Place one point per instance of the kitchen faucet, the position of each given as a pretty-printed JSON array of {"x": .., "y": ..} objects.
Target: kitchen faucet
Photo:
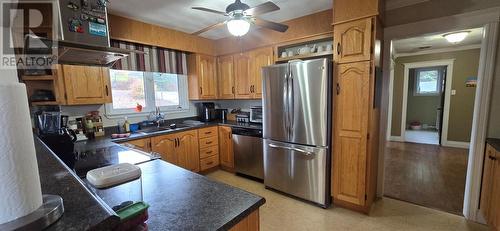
[{"x": 157, "y": 116}]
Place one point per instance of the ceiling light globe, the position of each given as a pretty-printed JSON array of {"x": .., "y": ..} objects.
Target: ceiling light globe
[
  {"x": 238, "y": 27},
  {"x": 456, "y": 37}
]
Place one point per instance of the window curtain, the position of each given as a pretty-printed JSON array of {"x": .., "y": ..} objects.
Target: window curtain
[{"x": 154, "y": 59}]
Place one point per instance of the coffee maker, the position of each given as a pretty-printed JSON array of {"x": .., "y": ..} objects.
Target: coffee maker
[
  {"x": 53, "y": 131},
  {"x": 206, "y": 111}
]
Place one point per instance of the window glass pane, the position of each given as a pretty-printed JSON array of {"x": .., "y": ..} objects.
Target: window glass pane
[
  {"x": 127, "y": 89},
  {"x": 428, "y": 81},
  {"x": 166, "y": 89}
]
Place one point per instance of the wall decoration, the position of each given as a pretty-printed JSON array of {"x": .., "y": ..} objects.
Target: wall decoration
[{"x": 471, "y": 82}]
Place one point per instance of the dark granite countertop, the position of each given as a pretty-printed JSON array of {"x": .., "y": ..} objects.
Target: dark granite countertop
[
  {"x": 183, "y": 200},
  {"x": 106, "y": 141},
  {"x": 494, "y": 142},
  {"x": 179, "y": 199},
  {"x": 82, "y": 210}
]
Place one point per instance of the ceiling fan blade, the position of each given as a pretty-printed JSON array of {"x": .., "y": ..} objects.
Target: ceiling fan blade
[
  {"x": 262, "y": 9},
  {"x": 209, "y": 28},
  {"x": 209, "y": 10},
  {"x": 271, "y": 25}
]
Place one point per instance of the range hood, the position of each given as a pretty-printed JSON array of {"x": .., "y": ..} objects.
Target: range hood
[{"x": 82, "y": 35}]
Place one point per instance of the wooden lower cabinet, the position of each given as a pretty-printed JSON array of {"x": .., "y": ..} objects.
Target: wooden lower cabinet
[
  {"x": 354, "y": 162},
  {"x": 490, "y": 189},
  {"x": 209, "y": 148},
  {"x": 226, "y": 147},
  {"x": 181, "y": 149},
  {"x": 141, "y": 144},
  {"x": 249, "y": 223}
]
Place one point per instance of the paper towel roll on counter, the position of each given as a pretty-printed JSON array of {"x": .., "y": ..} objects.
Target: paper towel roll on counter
[{"x": 20, "y": 191}]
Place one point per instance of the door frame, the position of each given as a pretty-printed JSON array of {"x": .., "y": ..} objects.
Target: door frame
[
  {"x": 489, "y": 20},
  {"x": 447, "y": 95}
]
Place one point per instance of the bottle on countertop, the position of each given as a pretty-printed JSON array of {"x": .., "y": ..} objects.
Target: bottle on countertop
[{"x": 126, "y": 125}]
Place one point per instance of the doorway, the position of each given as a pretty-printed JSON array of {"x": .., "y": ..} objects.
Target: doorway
[
  {"x": 430, "y": 120},
  {"x": 424, "y": 103}
]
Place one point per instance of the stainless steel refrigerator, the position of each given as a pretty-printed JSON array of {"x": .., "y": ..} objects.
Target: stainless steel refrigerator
[{"x": 297, "y": 129}]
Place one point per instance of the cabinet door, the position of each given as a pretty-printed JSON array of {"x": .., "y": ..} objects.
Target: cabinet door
[
  {"x": 352, "y": 41},
  {"x": 188, "y": 155},
  {"x": 86, "y": 84},
  {"x": 166, "y": 145},
  {"x": 141, "y": 144},
  {"x": 494, "y": 213},
  {"x": 226, "y": 147},
  {"x": 208, "y": 83},
  {"x": 225, "y": 77},
  {"x": 350, "y": 132},
  {"x": 260, "y": 58},
  {"x": 242, "y": 76},
  {"x": 487, "y": 183}
]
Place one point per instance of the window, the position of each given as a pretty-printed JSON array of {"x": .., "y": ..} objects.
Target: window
[
  {"x": 428, "y": 81},
  {"x": 149, "y": 89}
]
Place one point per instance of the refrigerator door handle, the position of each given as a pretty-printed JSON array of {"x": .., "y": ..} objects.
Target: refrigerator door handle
[
  {"x": 286, "y": 107},
  {"x": 291, "y": 101},
  {"x": 305, "y": 152}
]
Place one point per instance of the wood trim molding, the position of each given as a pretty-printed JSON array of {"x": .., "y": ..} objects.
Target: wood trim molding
[{"x": 131, "y": 30}]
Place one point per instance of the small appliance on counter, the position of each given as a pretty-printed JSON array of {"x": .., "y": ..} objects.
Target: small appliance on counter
[
  {"x": 206, "y": 111},
  {"x": 55, "y": 134},
  {"x": 256, "y": 114},
  {"x": 221, "y": 114},
  {"x": 243, "y": 117}
]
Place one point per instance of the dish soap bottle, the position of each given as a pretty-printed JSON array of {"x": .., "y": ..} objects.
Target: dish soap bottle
[{"x": 126, "y": 125}]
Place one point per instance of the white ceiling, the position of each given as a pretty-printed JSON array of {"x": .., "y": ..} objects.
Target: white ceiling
[
  {"x": 178, "y": 15},
  {"x": 436, "y": 41}
]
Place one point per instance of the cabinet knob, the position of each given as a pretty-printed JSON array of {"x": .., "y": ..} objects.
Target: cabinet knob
[
  {"x": 338, "y": 89},
  {"x": 339, "y": 49},
  {"x": 107, "y": 90},
  {"x": 492, "y": 158}
]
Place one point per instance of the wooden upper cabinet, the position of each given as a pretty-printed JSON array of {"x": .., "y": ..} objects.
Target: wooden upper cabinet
[
  {"x": 353, "y": 41},
  {"x": 226, "y": 147},
  {"x": 350, "y": 132},
  {"x": 242, "y": 76},
  {"x": 86, "y": 84},
  {"x": 225, "y": 77},
  {"x": 346, "y": 10},
  {"x": 202, "y": 77},
  {"x": 187, "y": 152},
  {"x": 260, "y": 58}
]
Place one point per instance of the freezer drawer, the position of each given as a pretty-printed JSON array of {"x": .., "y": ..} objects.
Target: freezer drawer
[{"x": 296, "y": 170}]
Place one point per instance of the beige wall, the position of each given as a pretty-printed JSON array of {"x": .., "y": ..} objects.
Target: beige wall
[
  {"x": 421, "y": 108},
  {"x": 461, "y": 105}
]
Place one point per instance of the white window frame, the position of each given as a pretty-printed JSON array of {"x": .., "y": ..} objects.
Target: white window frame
[
  {"x": 150, "y": 98},
  {"x": 416, "y": 82}
]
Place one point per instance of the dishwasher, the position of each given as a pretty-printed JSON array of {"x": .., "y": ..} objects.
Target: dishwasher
[{"x": 248, "y": 152}]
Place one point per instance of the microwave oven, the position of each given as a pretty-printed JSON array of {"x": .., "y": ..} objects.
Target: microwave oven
[{"x": 256, "y": 114}]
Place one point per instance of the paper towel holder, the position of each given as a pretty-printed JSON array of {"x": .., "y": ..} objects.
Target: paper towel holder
[{"x": 50, "y": 211}]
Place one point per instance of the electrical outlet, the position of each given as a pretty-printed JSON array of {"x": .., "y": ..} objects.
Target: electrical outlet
[{"x": 453, "y": 92}]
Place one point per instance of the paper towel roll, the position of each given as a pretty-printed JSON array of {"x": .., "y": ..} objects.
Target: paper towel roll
[{"x": 20, "y": 191}]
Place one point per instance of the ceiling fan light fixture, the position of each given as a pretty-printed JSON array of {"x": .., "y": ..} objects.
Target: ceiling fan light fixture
[
  {"x": 238, "y": 27},
  {"x": 456, "y": 37}
]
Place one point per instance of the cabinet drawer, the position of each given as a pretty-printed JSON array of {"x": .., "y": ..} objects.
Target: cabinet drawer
[
  {"x": 210, "y": 151},
  {"x": 210, "y": 141},
  {"x": 209, "y": 162},
  {"x": 207, "y": 132}
]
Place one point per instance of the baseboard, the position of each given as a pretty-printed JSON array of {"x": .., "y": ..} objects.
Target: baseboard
[
  {"x": 396, "y": 138},
  {"x": 455, "y": 144}
]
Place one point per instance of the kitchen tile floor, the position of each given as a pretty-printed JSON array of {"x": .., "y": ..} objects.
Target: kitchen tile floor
[
  {"x": 428, "y": 175},
  {"x": 284, "y": 213}
]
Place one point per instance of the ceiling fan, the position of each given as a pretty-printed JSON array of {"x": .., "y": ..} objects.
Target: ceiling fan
[{"x": 241, "y": 16}]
